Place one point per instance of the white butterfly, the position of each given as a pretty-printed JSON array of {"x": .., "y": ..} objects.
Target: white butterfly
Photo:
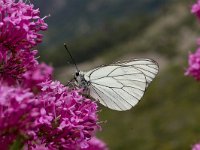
[{"x": 118, "y": 86}]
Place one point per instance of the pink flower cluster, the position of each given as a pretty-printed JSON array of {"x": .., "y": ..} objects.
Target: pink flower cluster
[
  {"x": 196, "y": 9},
  {"x": 196, "y": 147},
  {"x": 20, "y": 25},
  {"x": 18, "y": 107},
  {"x": 37, "y": 75},
  {"x": 194, "y": 58},
  {"x": 69, "y": 120},
  {"x": 96, "y": 144},
  {"x": 35, "y": 111},
  {"x": 57, "y": 117},
  {"x": 19, "y": 31},
  {"x": 194, "y": 65}
]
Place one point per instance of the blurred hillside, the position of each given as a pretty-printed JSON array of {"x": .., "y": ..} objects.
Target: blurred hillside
[
  {"x": 93, "y": 26},
  {"x": 76, "y": 18},
  {"x": 170, "y": 34},
  {"x": 114, "y": 28},
  {"x": 167, "y": 118}
]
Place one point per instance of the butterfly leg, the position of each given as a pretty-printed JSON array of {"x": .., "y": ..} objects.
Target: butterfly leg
[
  {"x": 71, "y": 84},
  {"x": 86, "y": 92}
]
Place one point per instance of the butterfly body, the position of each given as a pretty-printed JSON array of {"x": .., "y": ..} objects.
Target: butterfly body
[
  {"x": 118, "y": 86},
  {"x": 80, "y": 80}
]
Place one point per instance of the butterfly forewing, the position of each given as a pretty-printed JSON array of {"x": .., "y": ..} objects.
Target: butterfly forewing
[
  {"x": 100, "y": 72},
  {"x": 120, "y": 86},
  {"x": 148, "y": 67}
]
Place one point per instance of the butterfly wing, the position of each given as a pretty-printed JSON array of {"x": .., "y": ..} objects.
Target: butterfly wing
[
  {"x": 148, "y": 67},
  {"x": 120, "y": 86}
]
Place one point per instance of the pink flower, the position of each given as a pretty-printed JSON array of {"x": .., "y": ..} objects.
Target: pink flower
[
  {"x": 19, "y": 25},
  {"x": 38, "y": 147},
  {"x": 18, "y": 108},
  {"x": 69, "y": 120},
  {"x": 38, "y": 112},
  {"x": 196, "y": 9},
  {"x": 96, "y": 144},
  {"x": 55, "y": 117},
  {"x": 93, "y": 144},
  {"x": 13, "y": 66},
  {"x": 194, "y": 65},
  {"x": 41, "y": 73},
  {"x": 196, "y": 146}
]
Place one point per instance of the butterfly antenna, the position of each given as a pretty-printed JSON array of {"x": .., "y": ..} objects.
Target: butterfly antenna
[{"x": 71, "y": 56}]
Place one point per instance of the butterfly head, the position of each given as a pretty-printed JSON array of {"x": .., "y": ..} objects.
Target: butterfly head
[
  {"x": 77, "y": 76},
  {"x": 80, "y": 80}
]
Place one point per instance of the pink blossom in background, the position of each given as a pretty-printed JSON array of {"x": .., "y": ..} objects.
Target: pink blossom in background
[
  {"x": 196, "y": 146},
  {"x": 194, "y": 65},
  {"x": 196, "y": 9},
  {"x": 194, "y": 59}
]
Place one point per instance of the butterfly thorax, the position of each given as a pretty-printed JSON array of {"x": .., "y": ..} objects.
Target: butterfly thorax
[{"x": 80, "y": 80}]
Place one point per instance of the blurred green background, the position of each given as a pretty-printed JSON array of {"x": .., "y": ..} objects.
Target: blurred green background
[{"x": 103, "y": 31}]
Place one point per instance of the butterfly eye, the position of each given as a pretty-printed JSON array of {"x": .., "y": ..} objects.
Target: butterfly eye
[{"x": 77, "y": 73}]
